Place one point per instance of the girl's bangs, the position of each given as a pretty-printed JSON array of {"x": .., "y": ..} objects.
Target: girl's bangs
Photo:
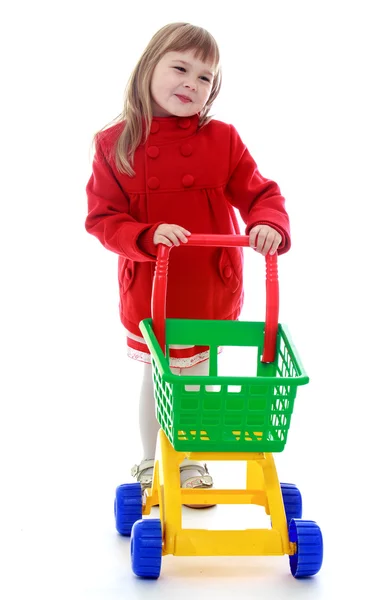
[{"x": 202, "y": 43}]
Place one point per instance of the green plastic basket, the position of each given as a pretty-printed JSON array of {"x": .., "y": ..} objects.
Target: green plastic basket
[{"x": 240, "y": 414}]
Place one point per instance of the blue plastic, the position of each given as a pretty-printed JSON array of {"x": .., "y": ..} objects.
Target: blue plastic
[
  {"x": 292, "y": 501},
  {"x": 308, "y": 559},
  {"x": 127, "y": 507},
  {"x": 146, "y": 548}
]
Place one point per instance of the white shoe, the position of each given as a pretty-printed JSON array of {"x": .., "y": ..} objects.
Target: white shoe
[{"x": 144, "y": 475}]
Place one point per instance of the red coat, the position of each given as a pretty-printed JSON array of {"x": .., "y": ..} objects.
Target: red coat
[{"x": 192, "y": 177}]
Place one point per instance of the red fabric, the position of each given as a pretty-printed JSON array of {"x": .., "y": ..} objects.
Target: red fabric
[{"x": 193, "y": 177}]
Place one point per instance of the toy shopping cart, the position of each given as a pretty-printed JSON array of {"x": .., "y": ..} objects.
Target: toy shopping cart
[{"x": 220, "y": 418}]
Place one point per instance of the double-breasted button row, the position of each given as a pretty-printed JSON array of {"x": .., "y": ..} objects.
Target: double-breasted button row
[
  {"x": 182, "y": 123},
  {"x": 153, "y": 151},
  {"x": 187, "y": 181}
]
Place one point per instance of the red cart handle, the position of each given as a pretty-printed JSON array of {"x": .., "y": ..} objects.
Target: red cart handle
[{"x": 159, "y": 293}]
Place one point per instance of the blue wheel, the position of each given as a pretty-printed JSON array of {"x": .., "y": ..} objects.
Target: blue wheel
[
  {"x": 127, "y": 507},
  {"x": 307, "y": 560},
  {"x": 292, "y": 500},
  {"x": 146, "y": 548}
]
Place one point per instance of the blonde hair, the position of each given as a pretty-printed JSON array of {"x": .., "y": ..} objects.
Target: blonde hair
[{"x": 175, "y": 37}]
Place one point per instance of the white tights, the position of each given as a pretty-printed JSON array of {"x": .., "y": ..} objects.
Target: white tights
[{"x": 149, "y": 426}]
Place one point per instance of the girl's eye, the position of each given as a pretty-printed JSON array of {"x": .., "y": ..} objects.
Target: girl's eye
[{"x": 183, "y": 70}]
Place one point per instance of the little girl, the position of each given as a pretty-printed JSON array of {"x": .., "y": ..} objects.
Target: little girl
[{"x": 164, "y": 170}]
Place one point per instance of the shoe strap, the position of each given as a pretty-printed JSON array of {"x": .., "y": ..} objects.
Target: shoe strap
[
  {"x": 194, "y": 466},
  {"x": 198, "y": 482},
  {"x": 138, "y": 469}
]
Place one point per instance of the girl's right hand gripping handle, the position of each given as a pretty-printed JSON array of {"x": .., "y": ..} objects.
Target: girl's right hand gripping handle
[{"x": 159, "y": 292}]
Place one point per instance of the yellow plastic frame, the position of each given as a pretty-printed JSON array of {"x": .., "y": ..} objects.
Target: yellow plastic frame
[{"x": 262, "y": 488}]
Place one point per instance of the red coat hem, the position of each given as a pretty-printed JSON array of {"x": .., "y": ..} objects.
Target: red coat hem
[{"x": 131, "y": 328}]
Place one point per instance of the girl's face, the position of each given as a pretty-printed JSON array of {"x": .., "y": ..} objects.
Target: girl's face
[{"x": 181, "y": 85}]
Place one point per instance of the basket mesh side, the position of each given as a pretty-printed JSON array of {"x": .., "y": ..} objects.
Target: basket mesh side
[{"x": 251, "y": 417}]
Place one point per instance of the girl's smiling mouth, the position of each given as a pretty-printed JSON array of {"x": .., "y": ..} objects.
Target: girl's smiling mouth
[{"x": 184, "y": 99}]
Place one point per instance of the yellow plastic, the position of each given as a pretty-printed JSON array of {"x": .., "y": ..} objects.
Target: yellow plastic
[{"x": 262, "y": 488}]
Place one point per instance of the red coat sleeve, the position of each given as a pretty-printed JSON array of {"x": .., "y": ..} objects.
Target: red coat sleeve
[
  {"x": 258, "y": 199},
  {"x": 108, "y": 214}
]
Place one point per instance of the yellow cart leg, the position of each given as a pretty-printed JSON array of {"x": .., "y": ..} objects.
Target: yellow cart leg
[
  {"x": 170, "y": 492},
  {"x": 255, "y": 479},
  {"x": 275, "y": 502}
]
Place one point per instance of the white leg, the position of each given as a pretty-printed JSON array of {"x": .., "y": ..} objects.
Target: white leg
[{"x": 149, "y": 425}]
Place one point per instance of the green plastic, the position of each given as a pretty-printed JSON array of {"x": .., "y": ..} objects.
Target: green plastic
[{"x": 243, "y": 414}]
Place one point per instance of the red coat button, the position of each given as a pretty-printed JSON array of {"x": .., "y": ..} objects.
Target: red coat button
[
  {"x": 153, "y": 183},
  {"x": 228, "y": 271},
  {"x": 188, "y": 180},
  {"x": 154, "y": 127},
  {"x": 184, "y": 123},
  {"x": 152, "y": 151},
  {"x": 186, "y": 149}
]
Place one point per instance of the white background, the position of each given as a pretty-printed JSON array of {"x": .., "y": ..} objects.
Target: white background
[{"x": 295, "y": 86}]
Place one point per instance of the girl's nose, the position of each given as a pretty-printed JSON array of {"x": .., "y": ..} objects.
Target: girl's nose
[{"x": 191, "y": 85}]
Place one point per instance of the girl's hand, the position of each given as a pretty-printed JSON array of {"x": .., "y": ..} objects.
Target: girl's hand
[
  {"x": 268, "y": 239},
  {"x": 170, "y": 235}
]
